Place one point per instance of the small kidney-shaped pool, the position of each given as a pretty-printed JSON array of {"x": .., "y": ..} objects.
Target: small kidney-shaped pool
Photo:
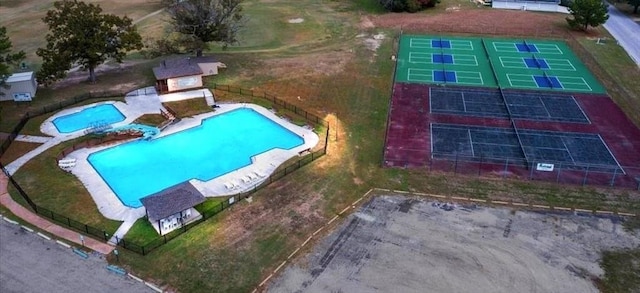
[{"x": 96, "y": 116}]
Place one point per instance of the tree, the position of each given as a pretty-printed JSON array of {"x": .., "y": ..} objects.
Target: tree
[
  {"x": 7, "y": 58},
  {"x": 407, "y": 5},
  {"x": 635, "y": 4},
  {"x": 79, "y": 34},
  {"x": 205, "y": 21},
  {"x": 587, "y": 13}
]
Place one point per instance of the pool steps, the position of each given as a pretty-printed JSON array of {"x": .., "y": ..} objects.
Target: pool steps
[{"x": 148, "y": 132}]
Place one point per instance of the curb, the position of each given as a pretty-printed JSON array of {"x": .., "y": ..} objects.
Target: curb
[{"x": 82, "y": 253}]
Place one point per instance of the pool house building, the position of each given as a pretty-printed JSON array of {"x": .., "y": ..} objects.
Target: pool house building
[
  {"x": 184, "y": 73},
  {"x": 172, "y": 208}
]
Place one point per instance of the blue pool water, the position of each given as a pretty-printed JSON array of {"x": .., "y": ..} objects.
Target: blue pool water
[
  {"x": 219, "y": 145},
  {"x": 94, "y": 116}
]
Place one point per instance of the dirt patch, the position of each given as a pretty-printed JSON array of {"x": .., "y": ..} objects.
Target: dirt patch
[
  {"x": 373, "y": 42},
  {"x": 366, "y": 23},
  {"x": 296, "y": 20},
  {"x": 321, "y": 64},
  {"x": 478, "y": 21},
  {"x": 400, "y": 244},
  {"x": 76, "y": 75}
]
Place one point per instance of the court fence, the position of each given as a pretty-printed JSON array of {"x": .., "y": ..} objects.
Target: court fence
[
  {"x": 206, "y": 211},
  {"x": 593, "y": 175}
]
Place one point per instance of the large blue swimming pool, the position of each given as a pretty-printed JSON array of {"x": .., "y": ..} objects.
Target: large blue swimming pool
[
  {"x": 219, "y": 145},
  {"x": 95, "y": 116}
]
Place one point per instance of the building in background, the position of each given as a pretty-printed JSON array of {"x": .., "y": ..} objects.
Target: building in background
[
  {"x": 184, "y": 73},
  {"x": 22, "y": 87}
]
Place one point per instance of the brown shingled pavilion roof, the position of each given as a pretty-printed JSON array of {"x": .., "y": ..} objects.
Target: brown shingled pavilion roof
[
  {"x": 171, "y": 200},
  {"x": 176, "y": 68}
]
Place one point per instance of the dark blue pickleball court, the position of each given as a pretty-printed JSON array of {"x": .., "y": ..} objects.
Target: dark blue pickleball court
[
  {"x": 547, "y": 81},
  {"x": 441, "y": 44},
  {"x": 444, "y": 76},
  {"x": 522, "y": 47},
  {"x": 443, "y": 58},
  {"x": 536, "y": 63}
]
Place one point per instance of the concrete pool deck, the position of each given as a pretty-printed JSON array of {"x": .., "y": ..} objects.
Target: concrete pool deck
[{"x": 137, "y": 104}]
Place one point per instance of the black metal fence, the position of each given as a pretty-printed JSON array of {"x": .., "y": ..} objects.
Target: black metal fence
[
  {"x": 54, "y": 107},
  {"x": 596, "y": 175},
  {"x": 144, "y": 248},
  {"x": 276, "y": 102}
]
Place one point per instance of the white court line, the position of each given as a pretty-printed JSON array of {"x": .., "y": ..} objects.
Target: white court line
[
  {"x": 509, "y": 46},
  {"x": 567, "y": 150},
  {"x": 611, "y": 154},
  {"x": 479, "y": 76},
  {"x": 545, "y": 107},
  {"x": 471, "y": 142},
  {"x": 464, "y": 103},
  {"x": 423, "y": 43},
  {"x": 515, "y": 60},
  {"x": 528, "y": 78},
  {"x": 581, "y": 111},
  {"x": 413, "y": 56},
  {"x": 466, "y": 58},
  {"x": 431, "y": 135},
  {"x": 557, "y": 50},
  {"x": 562, "y": 63},
  {"x": 429, "y": 76},
  {"x": 584, "y": 82},
  {"x": 459, "y": 45}
]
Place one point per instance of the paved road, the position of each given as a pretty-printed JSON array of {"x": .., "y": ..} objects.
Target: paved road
[
  {"x": 29, "y": 263},
  {"x": 626, "y": 32}
]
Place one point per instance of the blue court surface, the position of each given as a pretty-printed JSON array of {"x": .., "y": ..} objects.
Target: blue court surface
[
  {"x": 536, "y": 63},
  {"x": 441, "y": 44},
  {"x": 523, "y": 47},
  {"x": 442, "y": 58},
  {"x": 545, "y": 81},
  {"x": 444, "y": 76}
]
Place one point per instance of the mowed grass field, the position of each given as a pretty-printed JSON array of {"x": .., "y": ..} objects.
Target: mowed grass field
[
  {"x": 329, "y": 64},
  {"x": 23, "y": 20}
]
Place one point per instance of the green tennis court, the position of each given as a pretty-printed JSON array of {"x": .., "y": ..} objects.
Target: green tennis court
[
  {"x": 443, "y": 60},
  {"x": 516, "y": 63},
  {"x": 539, "y": 65}
]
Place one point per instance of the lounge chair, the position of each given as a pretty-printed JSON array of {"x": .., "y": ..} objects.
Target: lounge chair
[
  {"x": 260, "y": 174},
  {"x": 66, "y": 161},
  {"x": 65, "y": 165},
  {"x": 253, "y": 176},
  {"x": 229, "y": 185},
  {"x": 246, "y": 179}
]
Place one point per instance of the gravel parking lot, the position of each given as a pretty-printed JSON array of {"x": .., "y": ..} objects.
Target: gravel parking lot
[
  {"x": 30, "y": 263},
  {"x": 399, "y": 244}
]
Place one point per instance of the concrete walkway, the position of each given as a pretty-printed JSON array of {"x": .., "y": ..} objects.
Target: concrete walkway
[
  {"x": 626, "y": 32},
  {"x": 43, "y": 224},
  {"x": 33, "y": 138}
]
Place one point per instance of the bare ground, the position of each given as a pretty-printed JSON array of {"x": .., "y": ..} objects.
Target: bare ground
[{"x": 400, "y": 244}]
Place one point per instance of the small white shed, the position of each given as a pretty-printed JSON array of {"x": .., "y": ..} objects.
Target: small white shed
[{"x": 22, "y": 87}]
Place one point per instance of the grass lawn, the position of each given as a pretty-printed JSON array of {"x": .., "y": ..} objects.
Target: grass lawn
[
  {"x": 320, "y": 66},
  {"x": 59, "y": 191},
  {"x": 188, "y": 108},
  {"x": 612, "y": 59},
  {"x": 142, "y": 232},
  {"x": 16, "y": 150},
  {"x": 23, "y": 20},
  {"x": 150, "y": 119}
]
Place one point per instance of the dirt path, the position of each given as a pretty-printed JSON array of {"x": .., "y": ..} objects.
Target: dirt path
[{"x": 148, "y": 15}]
